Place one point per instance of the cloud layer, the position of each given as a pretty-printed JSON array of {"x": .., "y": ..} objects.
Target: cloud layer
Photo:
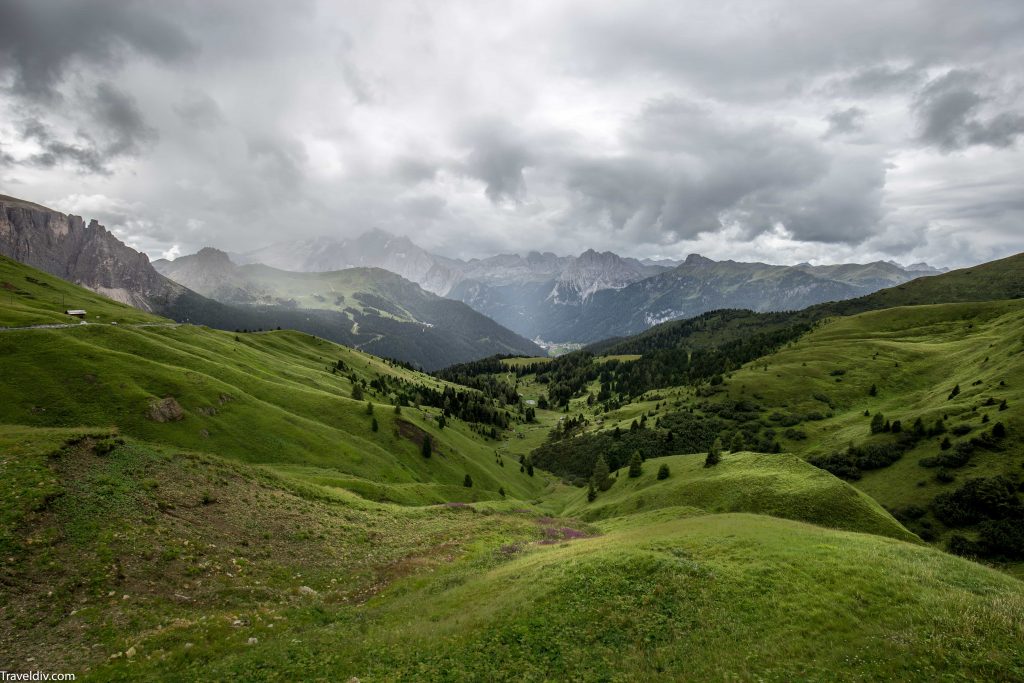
[{"x": 779, "y": 131}]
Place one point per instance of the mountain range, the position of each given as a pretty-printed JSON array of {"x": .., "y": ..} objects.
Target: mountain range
[
  {"x": 383, "y": 313},
  {"x": 594, "y": 295}
]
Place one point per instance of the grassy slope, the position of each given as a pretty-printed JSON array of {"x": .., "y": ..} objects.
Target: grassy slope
[
  {"x": 146, "y": 561},
  {"x": 914, "y": 356},
  {"x": 99, "y": 375},
  {"x": 157, "y": 561},
  {"x": 777, "y": 485},
  {"x": 43, "y": 299}
]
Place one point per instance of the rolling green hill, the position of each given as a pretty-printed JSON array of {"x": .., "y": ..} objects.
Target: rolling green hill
[
  {"x": 902, "y": 363},
  {"x": 180, "y": 503},
  {"x": 140, "y": 562},
  {"x": 32, "y": 297},
  {"x": 776, "y": 485}
]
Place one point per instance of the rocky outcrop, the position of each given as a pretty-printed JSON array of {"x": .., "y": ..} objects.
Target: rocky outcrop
[{"x": 86, "y": 254}]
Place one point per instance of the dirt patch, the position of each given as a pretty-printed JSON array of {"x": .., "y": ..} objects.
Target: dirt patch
[
  {"x": 408, "y": 430},
  {"x": 166, "y": 410}
]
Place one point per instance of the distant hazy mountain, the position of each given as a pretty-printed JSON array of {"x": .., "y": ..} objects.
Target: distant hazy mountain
[
  {"x": 422, "y": 328},
  {"x": 594, "y": 295},
  {"x": 386, "y": 314}
]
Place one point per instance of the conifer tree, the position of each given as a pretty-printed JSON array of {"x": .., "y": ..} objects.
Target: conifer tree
[
  {"x": 427, "y": 447},
  {"x": 663, "y": 471},
  {"x": 636, "y": 465},
  {"x": 714, "y": 454},
  {"x": 601, "y": 473}
]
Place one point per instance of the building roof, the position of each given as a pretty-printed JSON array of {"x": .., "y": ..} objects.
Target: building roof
[{"x": 74, "y": 311}]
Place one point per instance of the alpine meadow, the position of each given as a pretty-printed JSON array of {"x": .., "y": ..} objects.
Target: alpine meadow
[{"x": 567, "y": 341}]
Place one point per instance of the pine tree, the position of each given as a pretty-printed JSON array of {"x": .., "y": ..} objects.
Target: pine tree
[
  {"x": 714, "y": 454},
  {"x": 663, "y": 471},
  {"x": 369, "y": 408},
  {"x": 427, "y": 447},
  {"x": 501, "y": 491},
  {"x": 998, "y": 430},
  {"x": 1002, "y": 405},
  {"x": 357, "y": 392},
  {"x": 877, "y": 423},
  {"x": 398, "y": 409},
  {"x": 601, "y": 473},
  {"x": 529, "y": 465},
  {"x": 636, "y": 465},
  {"x": 873, "y": 391},
  {"x": 373, "y": 425},
  {"x": 591, "y": 492},
  {"x": 468, "y": 481},
  {"x": 955, "y": 392}
]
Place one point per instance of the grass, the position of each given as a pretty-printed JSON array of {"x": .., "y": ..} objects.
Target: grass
[
  {"x": 914, "y": 356},
  {"x": 264, "y": 398},
  {"x": 148, "y": 563},
  {"x": 32, "y": 297},
  {"x": 777, "y": 485},
  {"x": 269, "y": 534}
]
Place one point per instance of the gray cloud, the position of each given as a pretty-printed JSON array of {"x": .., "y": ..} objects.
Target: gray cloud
[
  {"x": 199, "y": 110},
  {"x": 656, "y": 127},
  {"x": 497, "y": 156},
  {"x": 39, "y": 41},
  {"x": 849, "y": 120},
  {"x": 117, "y": 114},
  {"x": 948, "y": 110}
]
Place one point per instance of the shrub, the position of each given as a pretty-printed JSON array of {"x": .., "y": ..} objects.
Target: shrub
[
  {"x": 977, "y": 500},
  {"x": 663, "y": 471},
  {"x": 998, "y": 430},
  {"x": 636, "y": 465},
  {"x": 467, "y": 481},
  {"x": 426, "y": 449},
  {"x": 954, "y": 393},
  {"x": 373, "y": 425}
]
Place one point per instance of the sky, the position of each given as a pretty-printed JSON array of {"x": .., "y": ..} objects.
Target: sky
[{"x": 760, "y": 130}]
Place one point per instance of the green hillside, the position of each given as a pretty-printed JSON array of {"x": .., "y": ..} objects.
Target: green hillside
[
  {"x": 777, "y": 485},
  {"x": 32, "y": 297},
  {"x": 179, "y": 503},
  {"x": 913, "y": 357},
  {"x": 147, "y": 563}
]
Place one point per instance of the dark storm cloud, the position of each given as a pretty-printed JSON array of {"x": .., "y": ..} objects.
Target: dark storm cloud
[
  {"x": 796, "y": 129},
  {"x": 40, "y": 39},
  {"x": 689, "y": 171},
  {"x": 498, "y": 153},
  {"x": 846, "y": 121},
  {"x": 84, "y": 156},
  {"x": 119, "y": 117},
  {"x": 948, "y": 110}
]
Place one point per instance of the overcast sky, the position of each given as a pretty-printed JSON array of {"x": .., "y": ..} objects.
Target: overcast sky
[{"x": 775, "y": 131}]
